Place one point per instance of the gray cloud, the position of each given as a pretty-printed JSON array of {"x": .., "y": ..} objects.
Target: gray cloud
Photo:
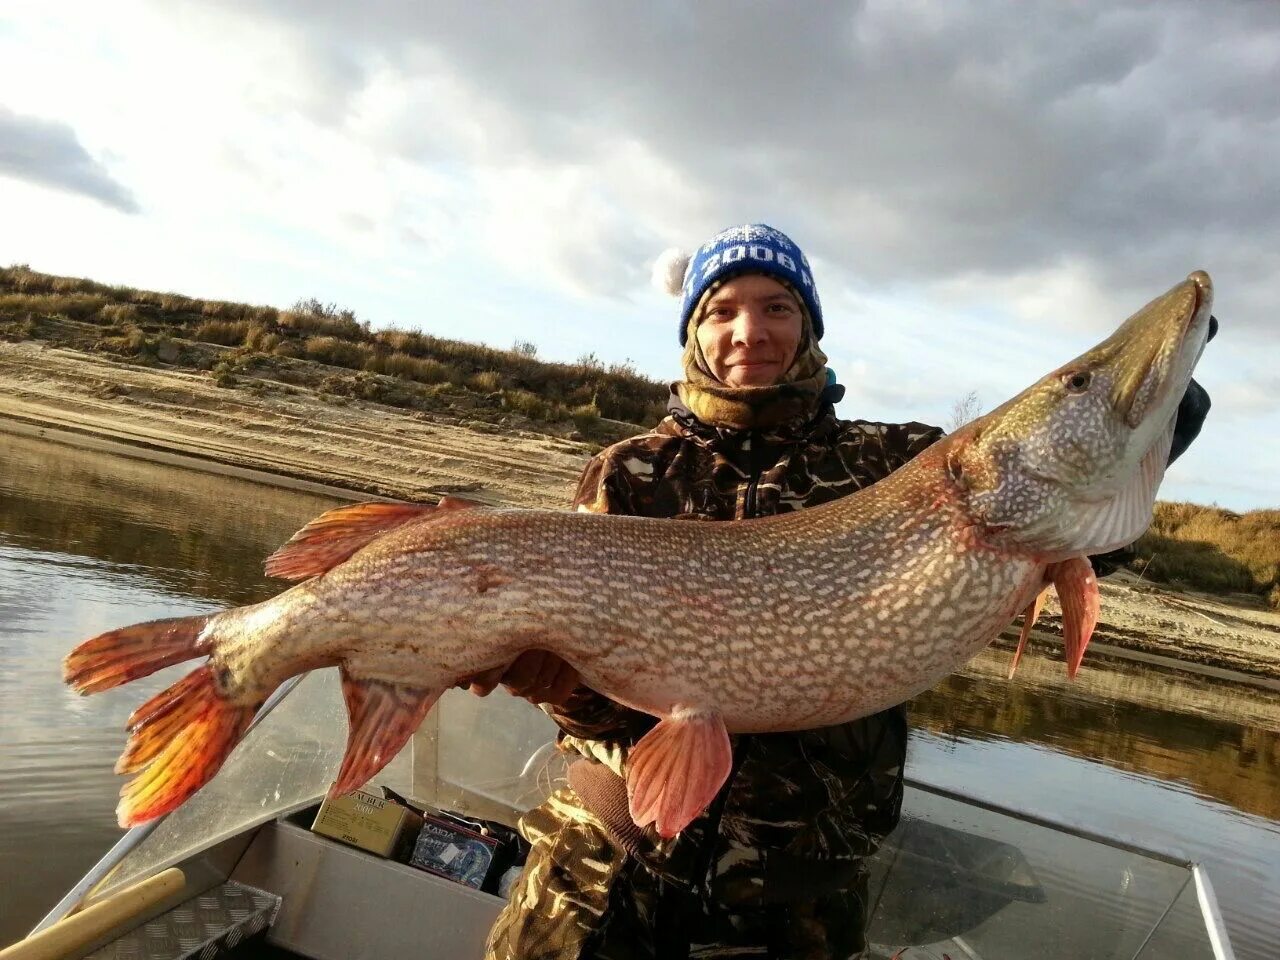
[
  {"x": 48, "y": 153},
  {"x": 905, "y": 146}
]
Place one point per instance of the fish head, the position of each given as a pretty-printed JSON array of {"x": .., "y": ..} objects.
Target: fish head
[{"x": 1070, "y": 466}]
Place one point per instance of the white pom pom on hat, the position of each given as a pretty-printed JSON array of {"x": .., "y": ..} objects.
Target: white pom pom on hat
[{"x": 669, "y": 270}]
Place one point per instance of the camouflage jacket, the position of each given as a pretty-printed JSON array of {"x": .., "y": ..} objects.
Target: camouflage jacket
[{"x": 821, "y": 795}]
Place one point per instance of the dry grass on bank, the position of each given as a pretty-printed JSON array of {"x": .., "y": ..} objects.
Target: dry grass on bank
[
  {"x": 1212, "y": 549},
  {"x": 398, "y": 367}
]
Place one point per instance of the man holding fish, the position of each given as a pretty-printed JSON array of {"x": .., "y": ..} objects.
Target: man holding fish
[
  {"x": 776, "y": 863},
  {"x": 776, "y": 867}
]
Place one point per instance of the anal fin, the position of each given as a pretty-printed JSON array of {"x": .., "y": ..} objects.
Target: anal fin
[
  {"x": 382, "y": 717},
  {"x": 676, "y": 770},
  {"x": 1077, "y": 587}
]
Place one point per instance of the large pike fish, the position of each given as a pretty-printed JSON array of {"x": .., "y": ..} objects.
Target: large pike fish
[{"x": 781, "y": 623}]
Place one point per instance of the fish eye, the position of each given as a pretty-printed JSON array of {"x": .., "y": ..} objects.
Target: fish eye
[{"x": 1077, "y": 381}]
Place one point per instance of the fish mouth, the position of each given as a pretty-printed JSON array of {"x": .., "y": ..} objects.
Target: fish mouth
[{"x": 1155, "y": 351}]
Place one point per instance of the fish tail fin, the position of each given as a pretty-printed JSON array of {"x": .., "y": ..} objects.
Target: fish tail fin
[
  {"x": 118, "y": 656},
  {"x": 381, "y": 717},
  {"x": 177, "y": 740},
  {"x": 180, "y": 737}
]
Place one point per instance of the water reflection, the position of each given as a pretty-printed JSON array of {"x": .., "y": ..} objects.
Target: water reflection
[
  {"x": 1132, "y": 718},
  {"x": 88, "y": 542},
  {"x": 193, "y": 533}
]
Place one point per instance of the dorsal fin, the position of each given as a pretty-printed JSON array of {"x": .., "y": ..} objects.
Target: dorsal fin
[
  {"x": 450, "y": 502},
  {"x": 335, "y": 535}
]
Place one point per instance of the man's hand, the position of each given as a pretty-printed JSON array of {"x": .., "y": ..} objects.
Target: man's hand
[{"x": 536, "y": 675}]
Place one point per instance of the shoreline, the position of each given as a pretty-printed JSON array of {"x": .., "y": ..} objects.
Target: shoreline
[
  {"x": 283, "y": 434},
  {"x": 356, "y": 450},
  {"x": 1047, "y": 642},
  {"x": 149, "y": 453}
]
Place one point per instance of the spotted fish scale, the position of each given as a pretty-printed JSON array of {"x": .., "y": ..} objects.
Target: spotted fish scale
[{"x": 788, "y": 622}]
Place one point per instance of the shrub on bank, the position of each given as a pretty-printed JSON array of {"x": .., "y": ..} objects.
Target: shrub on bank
[
  {"x": 17, "y": 329},
  {"x": 586, "y": 417},
  {"x": 420, "y": 369},
  {"x": 116, "y": 313},
  {"x": 1213, "y": 549},
  {"x": 324, "y": 319},
  {"x": 261, "y": 338},
  {"x": 337, "y": 352},
  {"x": 486, "y": 381},
  {"x": 228, "y": 333},
  {"x": 529, "y": 404},
  {"x": 73, "y": 306}
]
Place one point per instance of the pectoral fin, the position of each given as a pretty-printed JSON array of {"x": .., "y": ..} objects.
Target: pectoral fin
[
  {"x": 1077, "y": 587},
  {"x": 676, "y": 770},
  {"x": 1029, "y": 618}
]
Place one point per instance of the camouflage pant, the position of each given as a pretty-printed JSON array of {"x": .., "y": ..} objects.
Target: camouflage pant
[{"x": 580, "y": 897}]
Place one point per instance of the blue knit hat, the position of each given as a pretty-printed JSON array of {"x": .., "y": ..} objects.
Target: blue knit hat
[{"x": 753, "y": 248}]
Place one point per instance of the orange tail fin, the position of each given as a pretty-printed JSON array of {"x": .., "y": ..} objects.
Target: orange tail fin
[
  {"x": 180, "y": 737},
  {"x": 178, "y": 740},
  {"x": 118, "y": 656}
]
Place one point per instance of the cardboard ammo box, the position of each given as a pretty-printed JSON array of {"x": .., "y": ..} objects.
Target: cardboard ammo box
[{"x": 368, "y": 822}]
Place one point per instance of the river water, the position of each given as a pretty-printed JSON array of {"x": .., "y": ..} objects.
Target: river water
[{"x": 89, "y": 541}]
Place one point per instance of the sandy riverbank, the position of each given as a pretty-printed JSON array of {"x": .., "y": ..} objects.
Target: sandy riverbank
[
  {"x": 290, "y": 434},
  {"x": 296, "y": 438}
]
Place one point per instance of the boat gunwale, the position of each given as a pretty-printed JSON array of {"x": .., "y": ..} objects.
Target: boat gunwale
[{"x": 1173, "y": 856}]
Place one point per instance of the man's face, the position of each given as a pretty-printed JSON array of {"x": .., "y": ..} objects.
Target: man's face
[{"x": 750, "y": 331}]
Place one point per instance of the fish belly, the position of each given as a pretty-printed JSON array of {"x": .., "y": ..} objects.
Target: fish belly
[{"x": 849, "y": 658}]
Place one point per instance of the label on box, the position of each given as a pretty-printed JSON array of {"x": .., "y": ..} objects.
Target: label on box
[
  {"x": 364, "y": 821},
  {"x": 454, "y": 852}
]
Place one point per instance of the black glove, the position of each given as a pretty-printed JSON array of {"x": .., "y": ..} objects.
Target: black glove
[
  {"x": 1192, "y": 410},
  {"x": 1191, "y": 413}
]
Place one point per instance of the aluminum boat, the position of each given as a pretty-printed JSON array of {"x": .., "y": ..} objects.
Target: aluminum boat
[{"x": 236, "y": 871}]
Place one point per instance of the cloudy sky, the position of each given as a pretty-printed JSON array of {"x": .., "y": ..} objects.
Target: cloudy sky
[{"x": 984, "y": 190}]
